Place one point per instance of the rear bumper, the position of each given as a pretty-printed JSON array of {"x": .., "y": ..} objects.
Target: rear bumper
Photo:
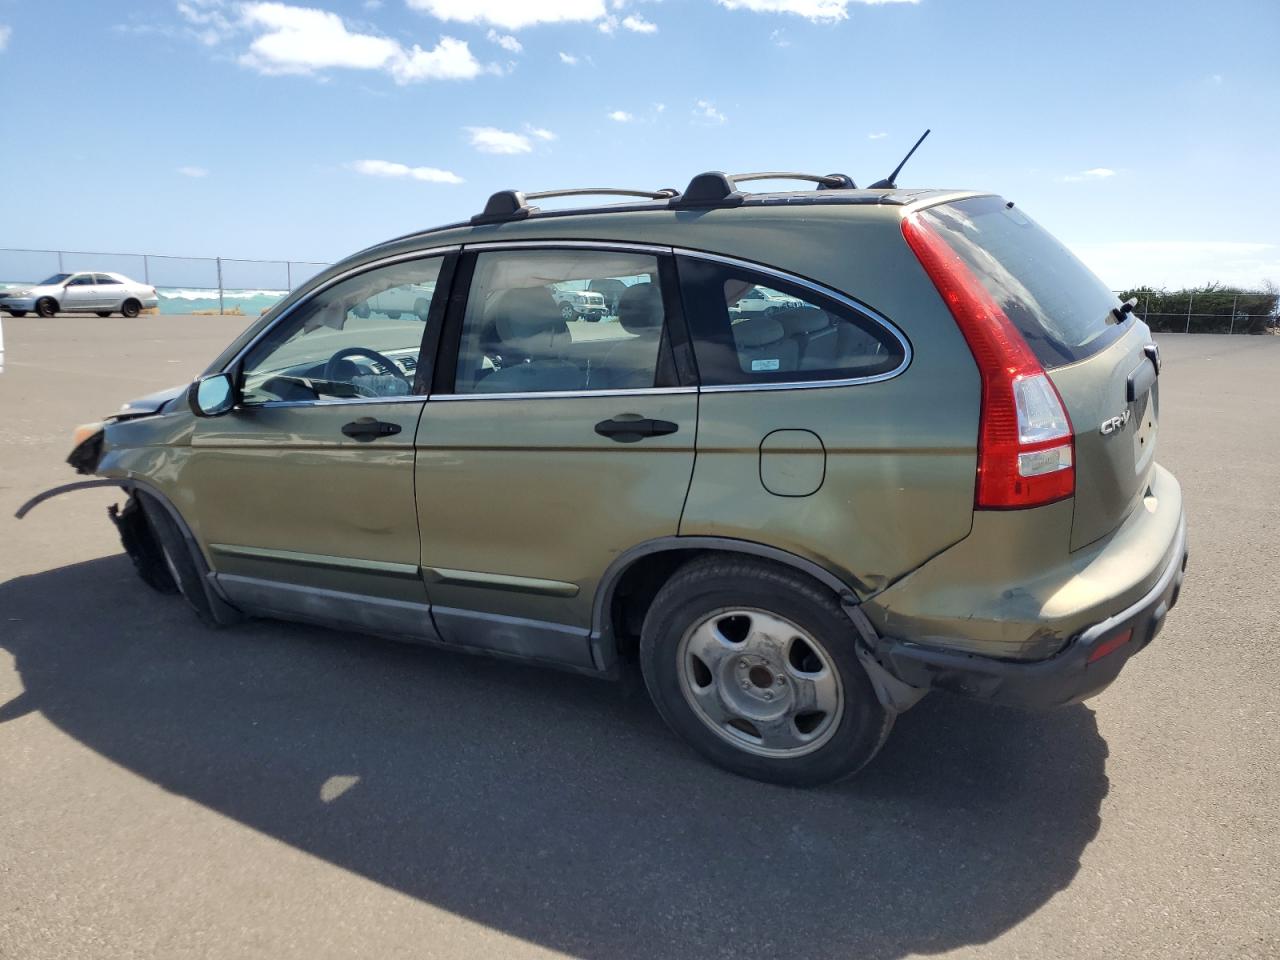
[{"x": 1083, "y": 668}]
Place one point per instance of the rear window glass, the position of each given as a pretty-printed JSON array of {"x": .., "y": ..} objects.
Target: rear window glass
[{"x": 1056, "y": 302}]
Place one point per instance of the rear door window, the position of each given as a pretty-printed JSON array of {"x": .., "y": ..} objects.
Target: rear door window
[
  {"x": 752, "y": 328},
  {"x": 1056, "y": 302},
  {"x": 556, "y": 321}
]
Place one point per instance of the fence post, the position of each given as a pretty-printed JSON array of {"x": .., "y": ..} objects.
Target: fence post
[
  {"x": 288, "y": 274},
  {"x": 1190, "y": 300},
  {"x": 220, "y": 286},
  {"x": 146, "y": 271},
  {"x": 60, "y": 270},
  {"x": 1234, "y": 302}
]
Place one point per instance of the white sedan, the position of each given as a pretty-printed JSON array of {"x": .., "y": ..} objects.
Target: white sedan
[{"x": 100, "y": 293}]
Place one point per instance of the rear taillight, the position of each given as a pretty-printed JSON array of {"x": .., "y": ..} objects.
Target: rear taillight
[{"x": 1026, "y": 447}]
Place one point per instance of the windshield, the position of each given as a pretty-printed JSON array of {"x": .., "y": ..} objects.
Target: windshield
[{"x": 56, "y": 279}]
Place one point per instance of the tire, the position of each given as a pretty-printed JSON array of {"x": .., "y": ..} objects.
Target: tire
[
  {"x": 130, "y": 308},
  {"x": 17, "y": 313},
  {"x": 393, "y": 314},
  {"x": 796, "y": 648},
  {"x": 362, "y": 311},
  {"x": 566, "y": 311},
  {"x": 46, "y": 307},
  {"x": 422, "y": 308},
  {"x": 103, "y": 313}
]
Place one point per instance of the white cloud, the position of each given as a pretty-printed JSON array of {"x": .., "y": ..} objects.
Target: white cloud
[
  {"x": 195, "y": 172},
  {"x": 639, "y": 25},
  {"x": 372, "y": 4},
  {"x": 541, "y": 133},
  {"x": 1181, "y": 263},
  {"x": 1097, "y": 173},
  {"x": 779, "y": 38},
  {"x": 659, "y": 107},
  {"x": 302, "y": 40},
  {"x": 621, "y": 116},
  {"x": 206, "y": 20},
  {"x": 706, "y": 111},
  {"x": 385, "y": 168},
  {"x": 568, "y": 58},
  {"x": 876, "y": 136},
  {"x": 5, "y": 34},
  {"x": 493, "y": 140},
  {"x": 449, "y": 59},
  {"x": 819, "y": 10},
  {"x": 505, "y": 41},
  {"x": 512, "y": 14}
]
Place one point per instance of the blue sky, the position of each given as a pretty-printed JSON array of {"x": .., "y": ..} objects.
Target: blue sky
[{"x": 1143, "y": 134}]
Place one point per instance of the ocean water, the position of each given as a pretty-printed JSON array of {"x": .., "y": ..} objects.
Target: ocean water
[{"x": 188, "y": 300}]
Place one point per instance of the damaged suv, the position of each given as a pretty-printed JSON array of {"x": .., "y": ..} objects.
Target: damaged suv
[{"x": 931, "y": 465}]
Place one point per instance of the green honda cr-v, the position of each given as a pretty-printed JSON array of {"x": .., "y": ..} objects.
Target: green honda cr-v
[{"x": 824, "y": 451}]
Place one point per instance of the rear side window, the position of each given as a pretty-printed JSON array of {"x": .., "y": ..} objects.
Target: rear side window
[
  {"x": 554, "y": 321},
  {"x": 103, "y": 279},
  {"x": 1060, "y": 307},
  {"x": 752, "y": 328}
]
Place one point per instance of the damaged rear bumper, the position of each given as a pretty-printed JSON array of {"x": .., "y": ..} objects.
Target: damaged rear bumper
[{"x": 1082, "y": 669}]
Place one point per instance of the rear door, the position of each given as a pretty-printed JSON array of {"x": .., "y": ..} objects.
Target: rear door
[
  {"x": 108, "y": 292},
  {"x": 1102, "y": 362},
  {"x": 548, "y": 446}
]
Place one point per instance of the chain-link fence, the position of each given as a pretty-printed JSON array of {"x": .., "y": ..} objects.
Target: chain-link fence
[
  {"x": 1206, "y": 310},
  {"x": 183, "y": 284}
]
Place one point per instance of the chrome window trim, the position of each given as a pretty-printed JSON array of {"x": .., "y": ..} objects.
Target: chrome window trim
[
  {"x": 333, "y": 402},
  {"x": 563, "y": 394},
  {"x": 422, "y": 254},
  {"x": 818, "y": 288}
]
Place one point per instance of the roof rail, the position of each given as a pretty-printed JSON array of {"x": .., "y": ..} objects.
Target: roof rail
[
  {"x": 514, "y": 205},
  {"x": 718, "y": 189}
]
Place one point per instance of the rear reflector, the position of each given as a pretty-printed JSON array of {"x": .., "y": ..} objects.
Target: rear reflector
[
  {"x": 1026, "y": 446},
  {"x": 1111, "y": 645}
]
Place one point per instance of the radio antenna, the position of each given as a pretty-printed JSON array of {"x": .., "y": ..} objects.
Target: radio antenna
[{"x": 891, "y": 181}]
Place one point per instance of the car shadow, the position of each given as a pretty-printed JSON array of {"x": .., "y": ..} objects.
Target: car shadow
[{"x": 553, "y": 807}]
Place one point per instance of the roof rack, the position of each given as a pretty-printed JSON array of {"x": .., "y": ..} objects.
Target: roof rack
[
  {"x": 718, "y": 189},
  {"x": 514, "y": 205}
]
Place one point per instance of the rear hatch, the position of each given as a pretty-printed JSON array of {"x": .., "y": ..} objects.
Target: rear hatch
[{"x": 1101, "y": 361}]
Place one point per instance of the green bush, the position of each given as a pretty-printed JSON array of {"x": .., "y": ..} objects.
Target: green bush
[{"x": 1211, "y": 309}]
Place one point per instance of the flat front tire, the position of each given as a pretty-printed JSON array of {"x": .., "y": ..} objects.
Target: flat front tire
[{"x": 756, "y": 668}]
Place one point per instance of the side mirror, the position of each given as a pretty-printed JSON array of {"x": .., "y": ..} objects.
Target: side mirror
[{"x": 212, "y": 396}]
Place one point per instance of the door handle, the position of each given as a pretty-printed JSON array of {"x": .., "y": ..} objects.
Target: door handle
[
  {"x": 630, "y": 427},
  {"x": 367, "y": 429}
]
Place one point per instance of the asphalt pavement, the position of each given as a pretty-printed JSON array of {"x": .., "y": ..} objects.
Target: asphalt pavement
[{"x": 271, "y": 790}]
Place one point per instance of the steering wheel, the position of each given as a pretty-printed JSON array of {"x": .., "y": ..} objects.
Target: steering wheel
[{"x": 331, "y": 367}]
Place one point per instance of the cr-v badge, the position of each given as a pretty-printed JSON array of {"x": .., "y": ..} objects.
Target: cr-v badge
[{"x": 1115, "y": 423}]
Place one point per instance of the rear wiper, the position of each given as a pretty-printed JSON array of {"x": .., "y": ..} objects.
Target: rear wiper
[{"x": 1123, "y": 311}]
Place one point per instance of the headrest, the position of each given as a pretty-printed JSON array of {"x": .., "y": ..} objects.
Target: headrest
[
  {"x": 757, "y": 332},
  {"x": 796, "y": 320},
  {"x": 525, "y": 312},
  {"x": 640, "y": 308}
]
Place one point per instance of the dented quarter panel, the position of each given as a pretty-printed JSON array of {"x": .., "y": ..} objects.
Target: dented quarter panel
[{"x": 1013, "y": 589}]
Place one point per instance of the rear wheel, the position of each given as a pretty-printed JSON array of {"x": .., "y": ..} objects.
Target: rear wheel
[
  {"x": 46, "y": 306},
  {"x": 130, "y": 308},
  {"x": 17, "y": 313},
  {"x": 103, "y": 313},
  {"x": 566, "y": 311},
  {"x": 755, "y": 666}
]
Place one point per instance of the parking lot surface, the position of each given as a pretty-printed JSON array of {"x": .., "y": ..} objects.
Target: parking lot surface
[{"x": 282, "y": 791}]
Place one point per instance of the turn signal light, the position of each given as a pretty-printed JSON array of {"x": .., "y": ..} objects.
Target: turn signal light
[{"x": 1111, "y": 645}]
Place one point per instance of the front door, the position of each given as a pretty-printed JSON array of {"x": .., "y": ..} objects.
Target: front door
[
  {"x": 80, "y": 293},
  {"x": 303, "y": 495},
  {"x": 559, "y": 444}
]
